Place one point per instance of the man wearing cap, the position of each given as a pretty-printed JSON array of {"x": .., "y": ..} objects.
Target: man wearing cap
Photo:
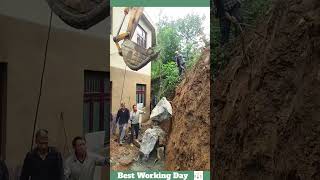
[
  {"x": 180, "y": 62},
  {"x": 43, "y": 162}
]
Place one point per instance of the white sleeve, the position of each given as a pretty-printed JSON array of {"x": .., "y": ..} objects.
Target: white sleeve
[
  {"x": 140, "y": 118},
  {"x": 100, "y": 160},
  {"x": 141, "y": 112},
  {"x": 66, "y": 169},
  {"x": 130, "y": 118}
]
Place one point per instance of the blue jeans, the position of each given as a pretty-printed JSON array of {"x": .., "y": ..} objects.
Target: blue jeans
[
  {"x": 122, "y": 131},
  {"x": 134, "y": 131}
]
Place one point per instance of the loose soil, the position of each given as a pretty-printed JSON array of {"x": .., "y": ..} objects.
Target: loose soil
[
  {"x": 266, "y": 102},
  {"x": 189, "y": 136}
]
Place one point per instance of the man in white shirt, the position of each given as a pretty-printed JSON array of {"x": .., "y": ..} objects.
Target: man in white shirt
[
  {"x": 135, "y": 121},
  {"x": 81, "y": 165}
]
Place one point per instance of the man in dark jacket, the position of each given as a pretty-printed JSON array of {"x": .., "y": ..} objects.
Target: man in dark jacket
[
  {"x": 180, "y": 62},
  {"x": 4, "y": 175},
  {"x": 44, "y": 162},
  {"x": 228, "y": 11},
  {"x": 123, "y": 116}
]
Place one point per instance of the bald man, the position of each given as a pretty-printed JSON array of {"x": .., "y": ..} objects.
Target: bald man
[
  {"x": 43, "y": 162},
  {"x": 122, "y": 119}
]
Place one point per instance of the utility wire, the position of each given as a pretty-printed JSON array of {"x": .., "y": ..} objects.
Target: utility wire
[{"x": 41, "y": 82}]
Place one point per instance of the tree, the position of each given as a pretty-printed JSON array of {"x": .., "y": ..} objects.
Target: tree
[
  {"x": 185, "y": 35},
  {"x": 168, "y": 42}
]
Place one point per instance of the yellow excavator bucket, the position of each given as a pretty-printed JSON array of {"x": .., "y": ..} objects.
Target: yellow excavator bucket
[{"x": 135, "y": 56}]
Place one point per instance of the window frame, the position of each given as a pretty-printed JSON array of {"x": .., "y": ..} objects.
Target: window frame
[
  {"x": 101, "y": 96},
  {"x": 143, "y": 39},
  {"x": 142, "y": 91}
]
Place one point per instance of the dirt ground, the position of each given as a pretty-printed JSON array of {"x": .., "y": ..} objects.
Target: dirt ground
[
  {"x": 125, "y": 157},
  {"x": 266, "y": 102},
  {"x": 189, "y": 138}
]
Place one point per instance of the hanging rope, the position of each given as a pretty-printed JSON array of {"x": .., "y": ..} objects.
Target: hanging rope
[
  {"x": 124, "y": 78},
  {"x": 41, "y": 82},
  {"x": 66, "y": 143},
  {"x": 160, "y": 84}
]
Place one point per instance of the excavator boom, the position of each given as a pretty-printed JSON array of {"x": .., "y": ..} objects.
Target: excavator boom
[
  {"x": 83, "y": 14},
  {"x": 134, "y": 55}
]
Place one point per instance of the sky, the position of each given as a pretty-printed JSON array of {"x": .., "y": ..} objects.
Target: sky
[{"x": 179, "y": 12}]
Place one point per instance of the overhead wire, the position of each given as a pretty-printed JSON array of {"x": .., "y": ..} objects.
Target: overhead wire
[
  {"x": 124, "y": 79},
  {"x": 42, "y": 78}
]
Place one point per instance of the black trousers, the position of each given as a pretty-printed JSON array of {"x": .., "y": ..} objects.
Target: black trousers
[
  {"x": 225, "y": 24},
  {"x": 134, "y": 131},
  {"x": 182, "y": 68}
]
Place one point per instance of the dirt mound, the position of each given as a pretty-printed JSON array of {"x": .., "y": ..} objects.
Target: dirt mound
[
  {"x": 123, "y": 156},
  {"x": 266, "y": 103},
  {"x": 189, "y": 140}
]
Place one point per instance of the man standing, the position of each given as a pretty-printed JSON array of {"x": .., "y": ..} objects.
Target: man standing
[
  {"x": 81, "y": 164},
  {"x": 123, "y": 116},
  {"x": 180, "y": 62},
  {"x": 228, "y": 11},
  {"x": 43, "y": 162},
  {"x": 4, "y": 175},
  {"x": 135, "y": 121}
]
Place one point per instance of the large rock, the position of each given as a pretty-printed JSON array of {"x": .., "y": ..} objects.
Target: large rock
[
  {"x": 162, "y": 111},
  {"x": 150, "y": 138}
]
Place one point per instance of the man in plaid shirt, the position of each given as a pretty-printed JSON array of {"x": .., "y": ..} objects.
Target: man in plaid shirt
[{"x": 232, "y": 8}]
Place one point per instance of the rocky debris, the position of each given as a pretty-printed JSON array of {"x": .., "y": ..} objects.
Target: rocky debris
[
  {"x": 266, "y": 102},
  {"x": 123, "y": 156},
  {"x": 125, "y": 161},
  {"x": 126, "y": 157},
  {"x": 150, "y": 138}
]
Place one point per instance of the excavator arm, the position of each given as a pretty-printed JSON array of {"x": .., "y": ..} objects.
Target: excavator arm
[
  {"x": 132, "y": 25},
  {"x": 134, "y": 55},
  {"x": 83, "y": 14}
]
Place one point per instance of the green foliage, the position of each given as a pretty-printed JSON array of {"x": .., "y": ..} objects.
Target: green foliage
[
  {"x": 190, "y": 27},
  {"x": 193, "y": 59},
  {"x": 168, "y": 43},
  {"x": 155, "y": 69},
  {"x": 171, "y": 79},
  {"x": 184, "y": 35},
  {"x": 164, "y": 84}
]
